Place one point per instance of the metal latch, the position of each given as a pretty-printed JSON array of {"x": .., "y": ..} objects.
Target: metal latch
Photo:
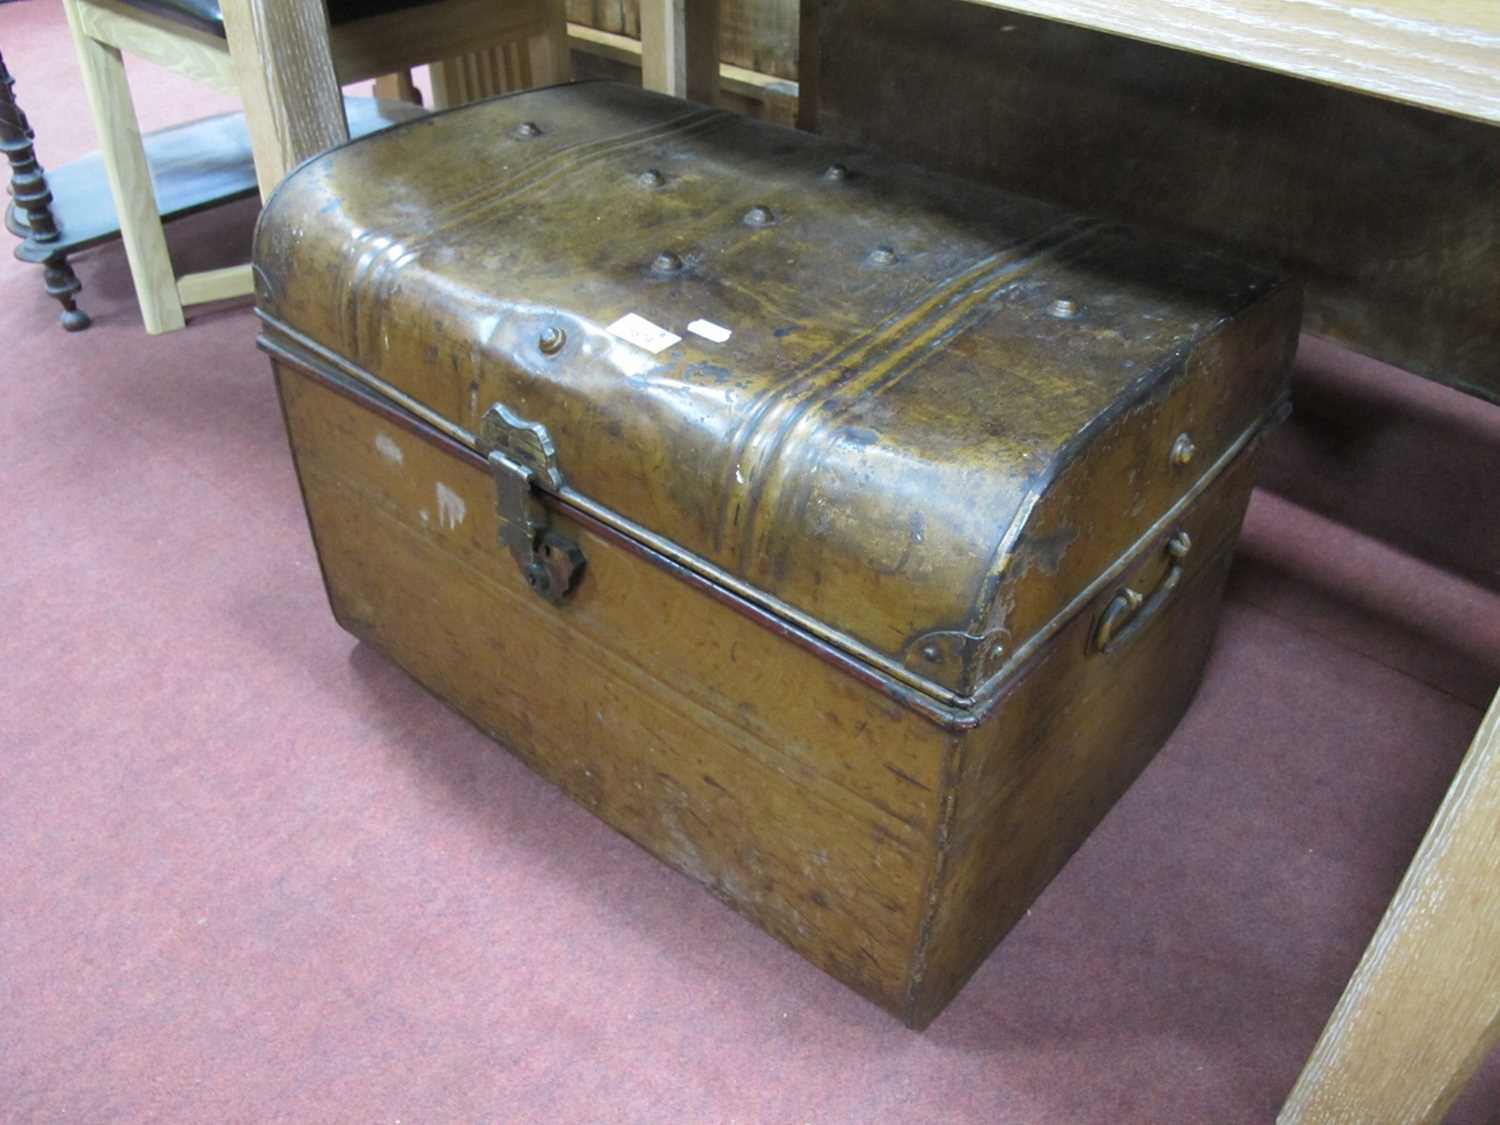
[{"x": 523, "y": 461}]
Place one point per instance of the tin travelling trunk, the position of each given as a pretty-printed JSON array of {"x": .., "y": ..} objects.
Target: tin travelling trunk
[{"x": 847, "y": 535}]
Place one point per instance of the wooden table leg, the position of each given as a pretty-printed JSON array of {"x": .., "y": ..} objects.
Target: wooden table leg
[
  {"x": 680, "y": 48},
  {"x": 1422, "y": 1011},
  {"x": 284, "y": 70}
]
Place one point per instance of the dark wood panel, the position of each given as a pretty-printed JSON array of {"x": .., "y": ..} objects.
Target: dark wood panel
[{"x": 1390, "y": 214}]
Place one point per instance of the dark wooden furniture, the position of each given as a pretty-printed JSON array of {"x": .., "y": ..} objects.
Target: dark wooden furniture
[{"x": 30, "y": 213}]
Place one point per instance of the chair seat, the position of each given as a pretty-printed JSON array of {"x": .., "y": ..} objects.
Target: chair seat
[{"x": 205, "y": 15}]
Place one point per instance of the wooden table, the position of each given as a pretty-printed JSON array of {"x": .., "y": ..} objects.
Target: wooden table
[{"x": 1440, "y": 54}]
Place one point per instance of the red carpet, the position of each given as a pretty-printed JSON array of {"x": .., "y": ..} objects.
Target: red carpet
[{"x": 249, "y": 872}]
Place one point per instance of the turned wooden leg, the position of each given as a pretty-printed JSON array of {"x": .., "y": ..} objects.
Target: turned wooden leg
[
  {"x": 33, "y": 200},
  {"x": 63, "y": 284}
]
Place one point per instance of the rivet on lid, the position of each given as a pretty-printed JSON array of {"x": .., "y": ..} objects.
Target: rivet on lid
[
  {"x": 1183, "y": 451},
  {"x": 667, "y": 262},
  {"x": 551, "y": 340}
]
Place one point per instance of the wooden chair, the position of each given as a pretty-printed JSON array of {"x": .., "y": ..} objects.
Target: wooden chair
[{"x": 291, "y": 101}]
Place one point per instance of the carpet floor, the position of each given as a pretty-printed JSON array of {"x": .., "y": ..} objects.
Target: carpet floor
[{"x": 250, "y": 872}]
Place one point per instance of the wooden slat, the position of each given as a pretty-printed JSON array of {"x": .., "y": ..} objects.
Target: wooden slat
[
  {"x": 216, "y": 285},
  {"x": 680, "y": 48},
  {"x": 449, "y": 29},
  {"x": 202, "y": 57},
  {"x": 1422, "y": 1010},
  {"x": 1442, "y": 54}
]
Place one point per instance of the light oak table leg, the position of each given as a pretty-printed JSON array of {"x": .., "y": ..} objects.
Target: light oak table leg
[
  {"x": 1422, "y": 1010},
  {"x": 282, "y": 63},
  {"x": 129, "y": 178},
  {"x": 680, "y": 48}
]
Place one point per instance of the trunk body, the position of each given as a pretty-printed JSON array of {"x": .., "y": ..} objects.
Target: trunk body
[{"x": 862, "y": 617}]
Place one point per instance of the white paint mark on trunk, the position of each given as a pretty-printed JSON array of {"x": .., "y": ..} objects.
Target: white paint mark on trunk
[
  {"x": 386, "y": 446},
  {"x": 451, "y": 506}
]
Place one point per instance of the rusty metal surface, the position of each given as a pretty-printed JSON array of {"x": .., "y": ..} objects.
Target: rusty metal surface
[
  {"x": 943, "y": 413},
  {"x": 1389, "y": 214}
]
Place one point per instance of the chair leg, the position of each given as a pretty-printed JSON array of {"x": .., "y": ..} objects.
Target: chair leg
[
  {"x": 551, "y": 61},
  {"x": 680, "y": 48},
  {"x": 129, "y": 179},
  {"x": 284, "y": 70}
]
